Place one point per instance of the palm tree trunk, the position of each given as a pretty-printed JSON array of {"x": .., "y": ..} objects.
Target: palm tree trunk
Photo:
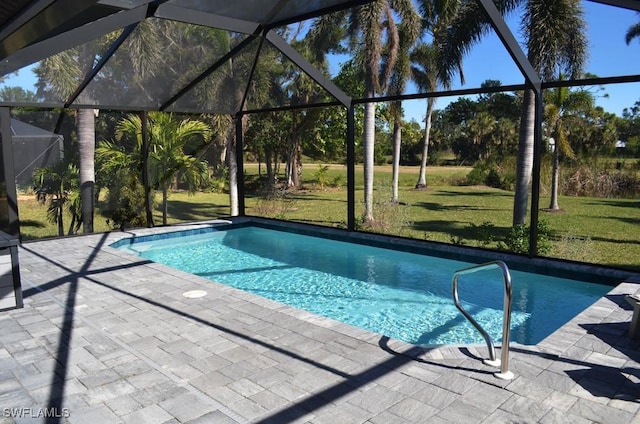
[
  {"x": 525, "y": 158},
  {"x": 232, "y": 163},
  {"x": 60, "y": 222},
  {"x": 86, "y": 149},
  {"x": 553, "y": 205},
  {"x": 165, "y": 203},
  {"x": 422, "y": 177},
  {"x": 368, "y": 147},
  {"x": 397, "y": 143}
]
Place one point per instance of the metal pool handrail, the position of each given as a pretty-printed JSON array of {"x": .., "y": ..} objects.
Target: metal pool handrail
[{"x": 504, "y": 373}]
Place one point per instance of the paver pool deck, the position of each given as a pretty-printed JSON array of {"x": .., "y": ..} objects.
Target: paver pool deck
[{"x": 107, "y": 337}]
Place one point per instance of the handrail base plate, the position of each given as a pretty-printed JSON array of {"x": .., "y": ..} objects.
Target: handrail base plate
[{"x": 504, "y": 375}]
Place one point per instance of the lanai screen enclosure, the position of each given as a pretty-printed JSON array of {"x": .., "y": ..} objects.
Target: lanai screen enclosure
[{"x": 246, "y": 32}]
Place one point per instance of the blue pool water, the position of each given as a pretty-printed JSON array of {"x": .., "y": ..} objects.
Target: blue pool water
[{"x": 397, "y": 294}]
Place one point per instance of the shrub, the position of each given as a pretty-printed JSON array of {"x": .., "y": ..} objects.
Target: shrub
[
  {"x": 492, "y": 175},
  {"x": 320, "y": 176},
  {"x": 125, "y": 202},
  {"x": 517, "y": 240},
  {"x": 483, "y": 233}
]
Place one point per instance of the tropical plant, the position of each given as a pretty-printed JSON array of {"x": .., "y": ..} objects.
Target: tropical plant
[
  {"x": 173, "y": 152},
  {"x": 58, "y": 185},
  {"x": 562, "y": 103}
]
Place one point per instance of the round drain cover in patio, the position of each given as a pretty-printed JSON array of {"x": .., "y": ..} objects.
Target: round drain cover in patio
[{"x": 192, "y": 294}]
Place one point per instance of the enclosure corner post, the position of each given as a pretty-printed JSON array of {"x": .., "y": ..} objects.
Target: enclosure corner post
[
  {"x": 145, "y": 168},
  {"x": 7, "y": 178},
  {"x": 240, "y": 163},
  {"x": 535, "y": 183},
  {"x": 351, "y": 169}
]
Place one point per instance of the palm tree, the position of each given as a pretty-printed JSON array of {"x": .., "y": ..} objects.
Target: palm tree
[
  {"x": 409, "y": 31},
  {"x": 562, "y": 103},
  {"x": 58, "y": 185},
  {"x": 168, "y": 161},
  {"x": 555, "y": 36},
  {"x": 167, "y": 157},
  {"x": 633, "y": 32},
  {"x": 429, "y": 70},
  {"x": 374, "y": 34}
]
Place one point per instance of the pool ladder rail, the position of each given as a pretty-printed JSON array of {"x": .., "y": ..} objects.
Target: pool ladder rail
[{"x": 503, "y": 363}]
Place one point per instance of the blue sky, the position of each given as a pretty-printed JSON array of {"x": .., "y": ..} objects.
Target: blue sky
[{"x": 609, "y": 56}]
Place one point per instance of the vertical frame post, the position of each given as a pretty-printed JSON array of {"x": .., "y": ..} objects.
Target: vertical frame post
[{"x": 8, "y": 176}]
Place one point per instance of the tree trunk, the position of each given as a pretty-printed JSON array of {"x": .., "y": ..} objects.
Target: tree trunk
[
  {"x": 269, "y": 164},
  {"x": 525, "y": 158},
  {"x": 60, "y": 222},
  {"x": 294, "y": 165},
  {"x": 86, "y": 150},
  {"x": 553, "y": 205},
  {"x": 368, "y": 143},
  {"x": 165, "y": 203},
  {"x": 397, "y": 143},
  {"x": 232, "y": 163},
  {"x": 422, "y": 177}
]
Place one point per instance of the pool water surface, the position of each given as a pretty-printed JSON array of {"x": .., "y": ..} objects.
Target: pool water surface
[{"x": 402, "y": 295}]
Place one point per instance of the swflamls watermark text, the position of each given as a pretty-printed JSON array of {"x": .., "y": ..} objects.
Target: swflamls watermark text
[{"x": 35, "y": 413}]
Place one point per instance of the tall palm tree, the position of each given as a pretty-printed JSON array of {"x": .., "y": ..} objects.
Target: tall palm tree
[
  {"x": 409, "y": 31},
  {"x": 374, "y": 33},
  {"x": 429, "y": 70},
  {"x": 555, "y": 37},
  {"x": 58, "y": 77},
  {"x": 556, "y": 44}
]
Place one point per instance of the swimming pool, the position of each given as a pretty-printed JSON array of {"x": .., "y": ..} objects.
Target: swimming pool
[{"x": 402, "y": 295}]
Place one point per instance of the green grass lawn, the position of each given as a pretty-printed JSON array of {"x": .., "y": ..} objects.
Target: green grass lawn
[{"x": 602, "y": 231}]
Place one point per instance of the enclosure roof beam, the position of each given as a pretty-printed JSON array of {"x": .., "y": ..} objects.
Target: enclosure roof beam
[
  {"x": 625, "y": 4},
  {"x": 319, "y": 12},
  {"x": 313, "y": 72},
  {"x": 190, "y": 16}
]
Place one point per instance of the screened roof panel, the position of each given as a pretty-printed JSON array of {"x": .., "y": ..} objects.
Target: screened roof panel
[
  {"x": 279, "y": 82},
  {"x": 224, "y": 84},
  {"x": 66, "y": 71},
  {"x": 157, "y": 60}
]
